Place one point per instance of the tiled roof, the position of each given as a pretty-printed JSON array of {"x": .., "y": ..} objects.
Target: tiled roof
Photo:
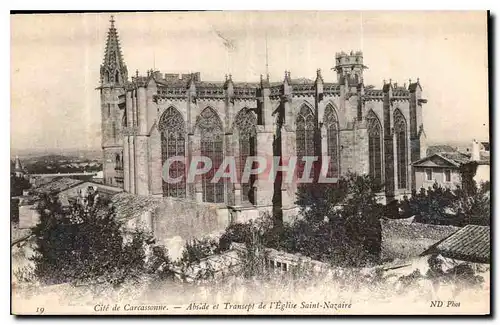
[
  {"x": 471, "y": 243},
  {"x": 130, "y": 206},
  {"x": 457, "y": 157},
  {"x": 57, "y": 185},
  {"x": 440, "y": 148},
  {"x": 484, "y": 157}
]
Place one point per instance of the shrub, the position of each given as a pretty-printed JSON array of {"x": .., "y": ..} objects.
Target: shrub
[
  {"x": 443, "y": 206},
  {"x": 340, "y": 222},
  {"x": 84, "y": 244},
  {"x": 196, "y": 250}
]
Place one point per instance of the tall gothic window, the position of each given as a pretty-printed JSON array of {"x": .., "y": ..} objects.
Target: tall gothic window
[
  {"x": 304, "y": 137},
  {"x": 375, "y": 146},
  {"x": 173, "y": 141},
  {"x": 211, "y": 133},
  {"x": 331, "y": 123},
  {"x": 401, "y": 148},
  {"x": 246, "y": 122}
]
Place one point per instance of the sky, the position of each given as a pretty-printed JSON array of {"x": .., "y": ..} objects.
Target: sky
[{"x": 55, "y": 61}]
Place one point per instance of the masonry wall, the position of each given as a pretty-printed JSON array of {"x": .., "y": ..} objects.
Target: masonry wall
[{"x": 437, "y": 177}]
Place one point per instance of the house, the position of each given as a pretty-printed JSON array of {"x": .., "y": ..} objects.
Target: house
[
  {"x": 442, "y": 168},
  {"x": 66, "y": 189},
  {"x": 481, "y": 155}
]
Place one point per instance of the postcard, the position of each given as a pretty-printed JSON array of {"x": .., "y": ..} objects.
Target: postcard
[{"x": 250, "y": 163}]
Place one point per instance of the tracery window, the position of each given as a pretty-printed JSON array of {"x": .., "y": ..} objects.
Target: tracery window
[
  {"x": 375, "y": 146},
  {"x": 331, "y": 123},
  {"x": 211, "y": 133},
  {"x": 401, "y": 148},
  {"x": 246, "y": 122},
  {"x": 304, "y": 138},
  {"x": 173, "y": 143}
]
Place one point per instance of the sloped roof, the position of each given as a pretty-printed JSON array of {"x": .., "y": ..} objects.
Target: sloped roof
[
  {"x": 450, "y": 159},
  {"x": 471, "y": 243},
  {"x": 486, "y": 145},
  {"x": 129, "y": 206},
  {"x": 57, "y": 185},
  {"x": 458, "y": 157},
  {"x": 440, "y": 148}
]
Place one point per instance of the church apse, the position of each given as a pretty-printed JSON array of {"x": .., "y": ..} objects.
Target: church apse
[{"x": 167, "y": 115}]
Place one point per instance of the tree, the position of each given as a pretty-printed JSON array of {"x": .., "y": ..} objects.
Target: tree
[
  {"x": 433, "y": 205},
  {"x": 84, "y": 243},
  {"x": 18, "y": 185},
  {"x": 474, "y": 207},
  {"x": 469, "y": 204},
  {"x": 341, "y": 222}
]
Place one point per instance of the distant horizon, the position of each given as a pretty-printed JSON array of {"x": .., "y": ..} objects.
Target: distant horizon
[{"x": 60, "y": 150}]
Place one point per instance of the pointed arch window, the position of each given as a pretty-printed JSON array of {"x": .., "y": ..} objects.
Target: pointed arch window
[
  {"x": 211, "y": 132},
  {"x": 304, "y": 137},
  {"x": 331, "y": 123},
  {"x": 375, "y": 146},
  {"x": 246, "y": 122},
  {"x": 401, "y": 148},
  {"x": 173, "y": 141}
]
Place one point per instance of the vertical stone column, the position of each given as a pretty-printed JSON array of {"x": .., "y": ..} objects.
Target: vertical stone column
[
  {"x": 126, "y": 164},
  {"x": 362, "y": 155},
  {"x": 288, "y": 149},
  {"x": 196, "y": 188},
  {"x": 324, "y": 149},
  {"x": 141, "y": 145},
  {"x": 132, "y": 165},
  {"x": 235, "y": 152},
  {"x": 228, "y": 184},
  {"x": 264, "y": 187},
  {"x": 388, "y": 144},
  {"x": 141, "y": 165},
  {"x": 347, "y": 151},
  {"x": 415, "y": 123},
  {"x": 127, "y": 172}
]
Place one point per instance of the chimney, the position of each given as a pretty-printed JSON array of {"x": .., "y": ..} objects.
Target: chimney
[{"x": 475, "y": 151}]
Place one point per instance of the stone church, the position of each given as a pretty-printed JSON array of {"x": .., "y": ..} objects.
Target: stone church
[{"x": 148, "y": 118}]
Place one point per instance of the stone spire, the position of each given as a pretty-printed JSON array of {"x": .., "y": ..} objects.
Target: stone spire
[
  {"x": 18, "y": 167},
  {"x": 113, "y": 68}
]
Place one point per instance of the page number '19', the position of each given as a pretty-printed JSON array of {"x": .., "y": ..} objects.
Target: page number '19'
[{"x": 40, "y": 310}]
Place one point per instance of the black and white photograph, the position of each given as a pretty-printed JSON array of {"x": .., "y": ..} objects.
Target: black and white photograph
[{"x": 250, "y": 163}]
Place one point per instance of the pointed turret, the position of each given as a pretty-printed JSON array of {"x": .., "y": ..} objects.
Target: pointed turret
[
  {"x": 18, "y": 167},
  {"x": 113, "y": 68}
]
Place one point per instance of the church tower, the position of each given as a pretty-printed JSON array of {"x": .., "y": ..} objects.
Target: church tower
[{"x": 113, "y": 80}]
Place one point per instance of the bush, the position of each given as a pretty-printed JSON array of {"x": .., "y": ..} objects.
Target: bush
[
  {"x": 196, "y": 250},
  {"x": 443, "y": 206},
  {"x": 84, "y": 244},
  {"x": 340, "y": 222}
]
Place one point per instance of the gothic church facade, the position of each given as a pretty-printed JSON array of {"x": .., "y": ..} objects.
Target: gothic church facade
[{"x": 147, "y": 119}]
